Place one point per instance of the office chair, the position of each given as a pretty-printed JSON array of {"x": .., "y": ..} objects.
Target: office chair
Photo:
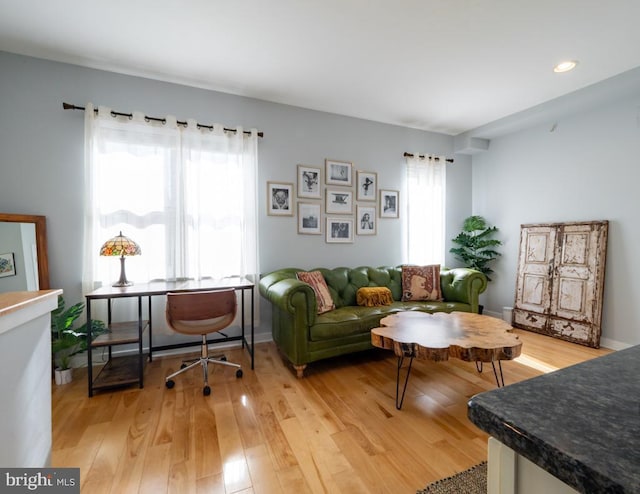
[{"x": 201, "y": 313}]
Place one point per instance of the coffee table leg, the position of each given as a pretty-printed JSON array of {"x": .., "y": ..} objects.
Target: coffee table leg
[
  {"x": 406, "y": 380},
  {"x": 500, "y": 380}
]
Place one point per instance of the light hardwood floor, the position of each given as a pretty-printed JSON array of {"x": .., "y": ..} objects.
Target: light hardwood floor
[{"x": 335, "y": 431}]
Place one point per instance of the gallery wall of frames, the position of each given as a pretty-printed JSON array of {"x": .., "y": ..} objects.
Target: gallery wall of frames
[{"x": 337, "y": 201}]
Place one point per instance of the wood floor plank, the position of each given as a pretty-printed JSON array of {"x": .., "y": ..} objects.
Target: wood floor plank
[
  {"x": 156, "y": 470},
  {"x": 335, "y": 431},
  {"x": 263, "y": 475},
  {"x": 234, "y": 463},
  {"x": 312, "y": 461}
]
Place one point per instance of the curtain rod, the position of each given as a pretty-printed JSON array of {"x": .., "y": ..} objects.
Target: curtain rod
[
  {"x": 69, "y": 106},
  {"x": 422, "y": 156}
]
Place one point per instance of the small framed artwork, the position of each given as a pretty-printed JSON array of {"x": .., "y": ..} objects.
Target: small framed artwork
[
  {"x": 339, "y": 230},
  {"x": 389, "y": 203},
  {"x": 367, "y": 186},
  {"x": 366, "y": 217},
  {"x": 309, "y": 218},
  {"x": 339, "y": 201},
  {"x": 309, "y": 182},
  {"x": 280, "y": 198},
  {"x": 7, "y": 265},
  {"x": 337, "y": 172}
]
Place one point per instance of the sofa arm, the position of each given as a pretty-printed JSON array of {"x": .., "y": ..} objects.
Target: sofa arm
[
  {"x": 289, "y": 294},
  {"x": 463, "y": 285}
]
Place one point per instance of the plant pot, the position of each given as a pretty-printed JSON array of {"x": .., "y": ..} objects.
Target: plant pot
[{"x": 63, "y": 376}]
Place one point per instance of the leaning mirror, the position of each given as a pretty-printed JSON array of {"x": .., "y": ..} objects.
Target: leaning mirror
[{"x": 23, "y": 253}]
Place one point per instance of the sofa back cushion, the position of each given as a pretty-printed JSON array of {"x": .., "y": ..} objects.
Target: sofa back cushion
[{"x": 344, "y": 283}]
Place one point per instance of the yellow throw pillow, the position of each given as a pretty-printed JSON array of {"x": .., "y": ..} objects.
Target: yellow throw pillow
[
  {"x": 374, "y": 296},
  {"x": 421, "y": 283},
  {"x": 319, "y": 285}
]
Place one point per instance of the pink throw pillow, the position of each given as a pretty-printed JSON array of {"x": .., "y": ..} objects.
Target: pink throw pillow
[{"x": 319, "y": 285}]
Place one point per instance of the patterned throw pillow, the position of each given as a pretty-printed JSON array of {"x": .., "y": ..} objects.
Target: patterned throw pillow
[
  {"x": 319, "y": 285},
  {"x": 421, "y": 283}
]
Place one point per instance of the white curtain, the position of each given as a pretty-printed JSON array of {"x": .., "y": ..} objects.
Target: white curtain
[
  {"x": 425, "y": 203},
  {"x": 186, "y": 195}
]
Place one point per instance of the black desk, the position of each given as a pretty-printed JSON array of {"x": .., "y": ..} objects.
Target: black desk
[{"x": 128, "y": 370}]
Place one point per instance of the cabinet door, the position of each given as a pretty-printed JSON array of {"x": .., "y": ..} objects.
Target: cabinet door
[
  {"x": 578, "y": 279},
  {"x": 560, "y": 280},
  {"x": 533, "y": 286}
]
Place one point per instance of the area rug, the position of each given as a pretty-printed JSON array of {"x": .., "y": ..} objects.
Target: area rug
[{"x": 471, "y": 481}]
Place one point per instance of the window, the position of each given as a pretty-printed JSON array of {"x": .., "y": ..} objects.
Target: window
[
  {"x": 425, "y": 218},
  {"x": 186, "y": 195}
]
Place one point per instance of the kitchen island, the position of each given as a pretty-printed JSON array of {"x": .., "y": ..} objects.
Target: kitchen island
[
  {"x": 25, "y": 387},
  {"x": 575, "y": 429}
]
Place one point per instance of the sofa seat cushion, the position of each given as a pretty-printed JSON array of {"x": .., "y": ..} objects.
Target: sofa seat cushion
[{"x": 347, "y": 321}]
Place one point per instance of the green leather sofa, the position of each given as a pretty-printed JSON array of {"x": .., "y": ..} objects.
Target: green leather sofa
[{"x": 303, "y": 336}]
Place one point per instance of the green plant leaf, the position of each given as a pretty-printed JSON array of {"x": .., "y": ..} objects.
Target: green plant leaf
[
  {"x": 474, "y": 223},
  {"x": 66, "y": 340},
  {"x": 475, "y": 245}
]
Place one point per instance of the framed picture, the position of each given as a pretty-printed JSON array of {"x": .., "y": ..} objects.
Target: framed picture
[
  {"x": 337, "y": 172},
  {"x": 309, "y": 182},
  {"x": 389, "y": 203},
  {"x": 367, "y": 184},
  {"x": 339, "y": 230},
  {"x": 339, "y": 201},
  {"x": 280, "y": 199},
  {"x": 309, "y": 218},
  {"x": 7, "y": 265},
  {"x": 366, "y": 218}
]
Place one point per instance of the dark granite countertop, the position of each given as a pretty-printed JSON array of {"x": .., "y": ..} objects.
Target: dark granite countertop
[{"x": 581, "y": 423}]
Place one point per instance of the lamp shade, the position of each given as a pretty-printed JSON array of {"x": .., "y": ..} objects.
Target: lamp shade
[{"x": 120, "y": 246}]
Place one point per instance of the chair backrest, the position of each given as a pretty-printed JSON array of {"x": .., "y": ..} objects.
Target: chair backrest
[{"x": 201, "y": 312}]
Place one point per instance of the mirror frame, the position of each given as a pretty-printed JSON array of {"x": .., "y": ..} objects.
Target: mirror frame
[{"x": 40, "y": 223}]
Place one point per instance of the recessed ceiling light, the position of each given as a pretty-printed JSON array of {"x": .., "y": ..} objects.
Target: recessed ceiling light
[{"x": 565, "y": 66}]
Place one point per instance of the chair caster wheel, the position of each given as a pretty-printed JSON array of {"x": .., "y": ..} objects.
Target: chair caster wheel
[
  {"x": 206, "y": 391},
  {"x": 169, "y": 384},
  {"x": 183, "y": 366},
  {"x": 239, "y": 373}
]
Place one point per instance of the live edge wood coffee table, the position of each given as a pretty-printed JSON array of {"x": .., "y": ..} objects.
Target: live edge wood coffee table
[{"x": 463, "y": 335}]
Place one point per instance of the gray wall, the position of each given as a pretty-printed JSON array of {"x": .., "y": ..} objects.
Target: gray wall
[
  {"x": 41, "y": 151},
  {"x": 585, "y": 169}
]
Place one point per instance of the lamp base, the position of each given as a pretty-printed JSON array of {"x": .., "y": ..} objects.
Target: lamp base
[
  {"x": 123, "y": 277},
  {"x": 120, "y": 284}
]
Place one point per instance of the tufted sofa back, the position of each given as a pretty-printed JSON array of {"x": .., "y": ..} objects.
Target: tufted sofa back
[{"x": 344, "y": 283}]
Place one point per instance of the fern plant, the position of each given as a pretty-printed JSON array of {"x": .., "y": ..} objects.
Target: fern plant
[{"x": 475, "y": 245}]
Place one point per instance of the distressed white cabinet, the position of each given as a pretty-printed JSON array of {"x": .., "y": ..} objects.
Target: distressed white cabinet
[{"x": 560, "y": 280}]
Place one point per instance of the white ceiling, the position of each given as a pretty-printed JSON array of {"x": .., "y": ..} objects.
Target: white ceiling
[{"x": 441, "y": 65}]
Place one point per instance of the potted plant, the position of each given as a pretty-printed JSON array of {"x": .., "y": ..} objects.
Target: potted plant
[
  {"x": 475, "y": 245},
  {"x": 66, "y": 341}
]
